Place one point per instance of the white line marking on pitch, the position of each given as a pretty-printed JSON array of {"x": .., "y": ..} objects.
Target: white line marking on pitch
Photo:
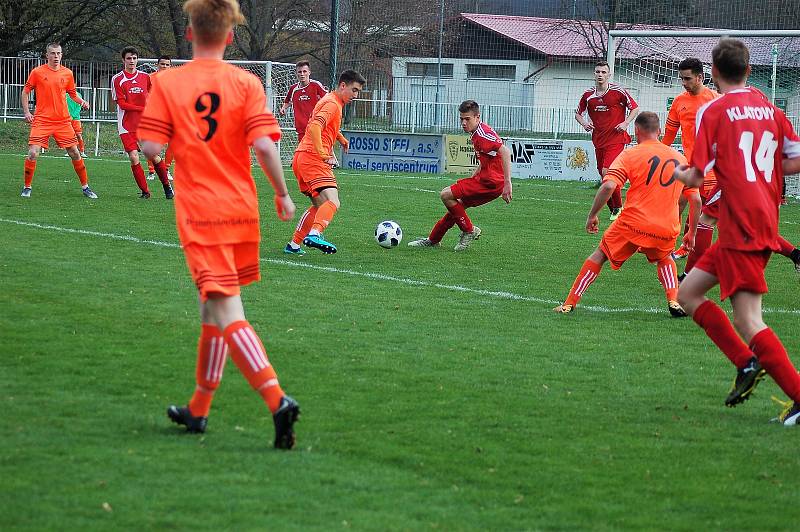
[{"x": 368, "y": 275}]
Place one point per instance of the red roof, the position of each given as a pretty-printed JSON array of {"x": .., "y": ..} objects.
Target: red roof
[{"x": 586, "y": 39}]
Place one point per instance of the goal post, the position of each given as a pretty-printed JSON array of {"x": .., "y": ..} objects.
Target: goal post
[{"x": 646, "y": 63}]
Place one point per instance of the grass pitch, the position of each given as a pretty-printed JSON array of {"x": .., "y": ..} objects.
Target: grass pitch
[{"x": 438, "y": 389}]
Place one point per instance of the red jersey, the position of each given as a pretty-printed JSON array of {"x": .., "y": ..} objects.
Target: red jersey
[
  {"x": 130, "y": 92},
  {"x": 743, "y": 138},
  {"x": 210, "y": 112},
  {"x": 606, "y": 110},
  {"x": 50, "y": 86},
  {"x": 486, "y": 143},
  {"x": 303, "y": 100}
]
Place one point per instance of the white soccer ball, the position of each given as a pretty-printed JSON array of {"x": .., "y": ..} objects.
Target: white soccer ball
[{"x": 388, "y": 234}]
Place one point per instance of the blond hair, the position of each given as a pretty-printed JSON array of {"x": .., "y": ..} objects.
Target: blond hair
[{"x": 211, "y": 20}]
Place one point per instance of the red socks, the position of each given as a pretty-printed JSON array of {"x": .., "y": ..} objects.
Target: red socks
[
  {"x": 713, "y": 320},
  {"x": 460, "y": 215},
  {"x": 702, "y": 241},
  {"x": 211, "y": 356},
  {"x": 161, "y": 171},
  {"x": 773, "y": 358},
  {"x": 138, "y": 175},
  {"x": 247, "y": 352},
  {"x": 441, "y": 228},
  {"x": 589, "y": 272},
  {"x": 668, "y": 276}
]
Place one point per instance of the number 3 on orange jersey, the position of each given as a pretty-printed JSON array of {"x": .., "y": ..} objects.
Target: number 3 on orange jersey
[{"x": 212, "y": 107}]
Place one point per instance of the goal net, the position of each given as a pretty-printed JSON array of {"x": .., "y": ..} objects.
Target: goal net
[{"x": 646, "y": 63}]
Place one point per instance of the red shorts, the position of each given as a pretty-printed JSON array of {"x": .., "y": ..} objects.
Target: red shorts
[
  {"x": 130, "y": 142},
  {"x": 737, "y": 271},
  {"x": 312, "y": 173},
  {"x": 619, "y": 242},
  {"x": 711, "y": 203},
  {"x": 223, "y": 268},
  {"x": 477, "y": 190},
  {"x": 61, "y": 131},
  {"x": 77, "y": 127},
  {"x": 606, "y": 155}
]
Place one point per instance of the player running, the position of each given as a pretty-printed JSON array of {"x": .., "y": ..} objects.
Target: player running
[
  {"x": 52, "y": 82},
  {"x": 314, "y": 161},
  {"x": 607, "y": 105},
  {"x": 211, "y": 113},
  {"x": 302, "y": 98},
  {"x": 130, "y": 88},
  {"x": 650, "y": 222},
  {"x": 491, "y": 180},
  {"x": 743, "y": 138}
]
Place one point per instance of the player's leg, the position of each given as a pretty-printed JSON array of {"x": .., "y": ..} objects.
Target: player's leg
[
  {"x": 131, "y": 147},
  {"x": 66, "y": 139},
  {"x": 588, "y": 274},
  {"x": 767, "y": 347},
  {"x": 705, "y": 228},
  {"x": 161, "y": 171},
  {"x": 169, "y": 157},
  {"x": 609, "y": 153},
  {"x": 327, "y": 205},
  {"x": 668, "y": 277},
  {"x": 29, "y": 167},
  {"x": 440, "y": 228}
]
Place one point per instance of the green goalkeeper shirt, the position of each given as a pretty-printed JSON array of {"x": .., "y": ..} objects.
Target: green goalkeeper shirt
[{"x": 74, "y": 108}]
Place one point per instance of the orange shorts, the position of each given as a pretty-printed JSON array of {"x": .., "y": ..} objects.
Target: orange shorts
[
  {"x": 312, "y": 173},
  {"x": 77, "y": 127},
  {"x": 621, "y": 241},
  {"x": 221, "y": 269},
  {"x": 736, "y": 270},
  {"x": 61, "y": 131}
]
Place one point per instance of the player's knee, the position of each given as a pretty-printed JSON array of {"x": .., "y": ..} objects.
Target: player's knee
[
  {"x": 133, "y": 157},
  {"x": 33, "y": 154},
  {"x": 446, "y": 194},
  {"x": 747, "y": 325}
]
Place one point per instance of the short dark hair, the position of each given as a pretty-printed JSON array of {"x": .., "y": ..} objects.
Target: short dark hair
[
  {"x": 302, "y": 64},
  {"x": 54, "y": 44},
  {"x": 648, "y": 121},
  {"x": 351, "y": 76},
  {"x": 602, "y": 63},
  {"x": 129, "y": 50},
  {"x": 731, "y": 57},
  {"x": 469, "y": 106},
  {"x": 693, "y": 64},
  {"x": 168, "y": 58}
]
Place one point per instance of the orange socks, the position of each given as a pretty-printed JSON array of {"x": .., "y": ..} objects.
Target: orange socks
[
  {"x": 248, "y": 353},
  {"x": 211, "y": 356},
  {"x": 668, "y": 276},
  {"x": 80, "y": 169},
  {"x": 304, "y": 225},
  {"x": 324, "y": 216},
  {"x": 30, "y": 168},
  {"x": 150, "y": 168},
  {"x": 589, "y": 272}
]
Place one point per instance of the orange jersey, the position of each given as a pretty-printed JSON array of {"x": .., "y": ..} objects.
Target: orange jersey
[
  {"x": 50, "y": 86},
  {"x": 210, "y": 112},
  {"x": 651, "y": 206},
  {"x": 328, "y": 115},
  {"x": 683, "y": 115}
]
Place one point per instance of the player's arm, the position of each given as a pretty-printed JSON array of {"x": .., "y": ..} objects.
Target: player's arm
[
  {"x": 122, "y": 101},
  {"x": 505, "y": 158},
  {"x": 287, "y": 102},
  {"x": 72, "y": 92},
  {"x": 695, "y": 207},
  {"x": 582, "y": 108},
  {"x": 791, "y": 166},
  {"x": 671, "y": 126},
  {"x": 600, "y": 199},
  {"x": 623, "y": 126},
  {"x": 343, "y": 141},
  {"x": 151, "y": 148},
  {"x": 24, "y": 99},
  {"x": 688, "y": 175},
  {"x": 270, "y": 161}
]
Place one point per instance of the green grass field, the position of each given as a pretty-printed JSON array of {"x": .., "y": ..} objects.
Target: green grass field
[{"x": 438, "y": 389}]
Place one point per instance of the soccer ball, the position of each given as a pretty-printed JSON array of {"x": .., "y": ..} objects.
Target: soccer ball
[{"x": 388, "y": 234}]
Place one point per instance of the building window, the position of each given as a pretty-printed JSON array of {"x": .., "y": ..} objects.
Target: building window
[
  {"x": 429, "y": 70},
  {"x": 492, "y": 72}
]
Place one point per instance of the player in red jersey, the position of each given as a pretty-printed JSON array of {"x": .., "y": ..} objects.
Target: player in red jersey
[
  {"x": 130, "y": 88},
  {"x": 164, "y": 63},
  {"x": 743, "y": 138},
  {"x": 607, "y": 105},
  {"x": 51, "y": 82},
  {"x": 491, "y": 180},
  {"x": 302, "y": 97},
  {"x": 211, "y": 113}
]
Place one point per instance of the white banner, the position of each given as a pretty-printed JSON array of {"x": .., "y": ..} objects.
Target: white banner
[{"x": 553, "y": 159}]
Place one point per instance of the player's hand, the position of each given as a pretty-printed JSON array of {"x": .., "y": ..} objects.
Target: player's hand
[
  {"x": 688, "y": 241},
  {"x": 284, "y": 207},
  {"x": 29, "y": 117},
  {"x": 592, "y": 225},
  {"x": 84, "y": 104},
  {"x": 345, "y": 144},
  {"x": 506, "y": 195},
  {"x": 622, "y": 126},
  {"x": 588, "y": 127},
  {"x": 282, "y": 111},
  {"x": 333, "y": 161}
]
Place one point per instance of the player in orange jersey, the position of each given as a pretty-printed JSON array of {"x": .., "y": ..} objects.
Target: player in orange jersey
[
  {"x": 211, "y": 113},
  {"x": 164, "y": 63},
  {"x": 650, "y": 221},
  {"x": 51, "y": 82},
  {"x": 314, "y": 161},
  {"x": 682, "y": 114}
]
